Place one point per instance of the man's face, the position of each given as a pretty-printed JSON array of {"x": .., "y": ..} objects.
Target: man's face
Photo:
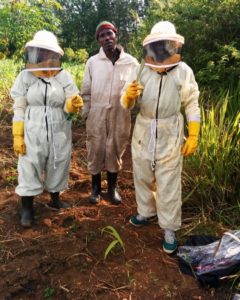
[{"x": 107, "y": 39}]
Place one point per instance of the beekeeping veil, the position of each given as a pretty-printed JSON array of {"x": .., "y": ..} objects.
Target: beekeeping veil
[
  {"x": 162, "y": 47},
  {"x": 43, "y": 54}
]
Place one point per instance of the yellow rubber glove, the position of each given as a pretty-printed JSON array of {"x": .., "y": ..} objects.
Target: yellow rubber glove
[
  {"x": 19, "y": 146},
  {"x": 192, "y": 141},
  {"x": 132, "y": 92},
  {"x": 74, "y": 104}
]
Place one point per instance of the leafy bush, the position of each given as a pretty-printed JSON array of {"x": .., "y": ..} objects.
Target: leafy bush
[
  {"x": 81, "y": 55},
  {"x": 69, "y": 54},
  {"x": 2, "y": 55}
]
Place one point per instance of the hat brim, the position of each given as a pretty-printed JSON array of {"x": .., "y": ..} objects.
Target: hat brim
[
  {"x": 56, "y": 48},
  {"x": 155, "y": 37}
]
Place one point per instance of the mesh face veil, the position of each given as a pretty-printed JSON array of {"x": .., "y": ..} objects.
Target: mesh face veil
[
  {"x": 42, "y": 62},
  {"x": 162, "y": 54},
  {"x": 43, "y": 54},
  {"x": 162, "y": 47}
]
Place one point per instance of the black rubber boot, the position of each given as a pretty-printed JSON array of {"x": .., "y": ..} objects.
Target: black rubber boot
[
  {"x": 56, "y": 202},
  {"x": 114, "y": 196},
  {"x": 27, "y": 215},
  {"x": 96, "y": 189}
]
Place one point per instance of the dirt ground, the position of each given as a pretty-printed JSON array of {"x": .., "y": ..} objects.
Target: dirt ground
[{"x": 62, "y": 255}]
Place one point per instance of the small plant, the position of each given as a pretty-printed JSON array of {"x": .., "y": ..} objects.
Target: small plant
[
  {"x": 117, "y": 240},
  {"x": 49, "y": 293}
]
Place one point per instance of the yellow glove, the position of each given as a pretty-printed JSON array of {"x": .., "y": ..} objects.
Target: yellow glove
[
  {"x": 192, "y": 141},
  {"x": 132, "y": 92},
  {"x": 19, "y": 146},
  {"x": 74, "y": 104}
]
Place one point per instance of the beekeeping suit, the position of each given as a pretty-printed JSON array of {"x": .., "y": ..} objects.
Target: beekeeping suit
[
  {"x": 166, "y": 84},
  {"x": 43, "y": 96}
]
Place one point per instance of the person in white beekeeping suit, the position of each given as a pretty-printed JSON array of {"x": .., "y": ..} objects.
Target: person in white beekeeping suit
[
  {"x": 161, "y": 87},
  {"x": 45, "y": 97}
]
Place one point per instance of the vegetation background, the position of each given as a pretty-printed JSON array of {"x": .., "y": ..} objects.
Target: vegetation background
[{"x": 211, "y": 178}]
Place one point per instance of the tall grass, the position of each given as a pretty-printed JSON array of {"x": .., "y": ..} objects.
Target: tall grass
[
  {"x": 212, "y": 176},
  {"x": 8, "y": 71}
]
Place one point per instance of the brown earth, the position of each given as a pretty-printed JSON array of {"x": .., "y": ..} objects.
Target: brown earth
[{"x": 62, "y": 255}]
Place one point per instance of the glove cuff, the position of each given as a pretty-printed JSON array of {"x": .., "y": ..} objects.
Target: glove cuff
[
  {"x": 18, "y": 128},
  {"x": 193, "y": 128},
  {"x": 68, "y": 106}
]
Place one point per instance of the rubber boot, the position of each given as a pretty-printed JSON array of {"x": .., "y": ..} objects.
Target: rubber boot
[
  {"x": 96, "y": 189},
  {"x": 114, "y": 196},
  {"x": 27, "y": 214},
  {"x": 56, "y": 202}
]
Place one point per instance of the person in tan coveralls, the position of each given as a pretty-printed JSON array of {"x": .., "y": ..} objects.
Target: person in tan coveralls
[{"x": 108, "y": 124}]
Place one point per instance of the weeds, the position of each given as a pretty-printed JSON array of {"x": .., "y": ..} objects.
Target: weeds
[
  {"x": 49, "y": 292},
  {"x": 117, "y": 240},
  {"x": 213, "y": 174}
]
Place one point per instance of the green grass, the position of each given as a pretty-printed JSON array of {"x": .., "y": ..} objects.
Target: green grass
[
  {"x": 212, "y": 175},
  {"x": 117, "y": 241}
]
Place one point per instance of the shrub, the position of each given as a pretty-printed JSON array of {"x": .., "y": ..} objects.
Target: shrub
[
  {"x": 81, "y": 55},
  {"x": 69, "y": 54}
]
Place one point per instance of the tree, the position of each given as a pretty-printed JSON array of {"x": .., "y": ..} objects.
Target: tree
[
  {"x": 19, "y": 20},
  {"x": 81, "y": 17}
]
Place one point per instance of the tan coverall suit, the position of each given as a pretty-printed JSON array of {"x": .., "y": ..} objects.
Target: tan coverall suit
[{"x": 108, "y": 124}]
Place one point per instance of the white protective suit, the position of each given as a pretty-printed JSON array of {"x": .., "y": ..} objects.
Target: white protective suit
[
  {"x": 108, "y": 124},
  {"x": 47, "y": 132},
  {"x": 157, "y": 140}
]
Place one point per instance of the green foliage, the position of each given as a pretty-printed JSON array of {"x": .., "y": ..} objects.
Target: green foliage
[
  {"x": 212, "y": 37},
  {"x": 8, "y": 71},
  {"x": 49, "y": 292},
  {"x": 214, "y": 172},
  {"x": 76, "y": 70},
  {"x": 81, "y": 55},
  {"x": 69, "y": 54},
  {"x": 20, "y": 20},
  {"x": 117, "y": 240},
  {"x": 80, "y": 19}
]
